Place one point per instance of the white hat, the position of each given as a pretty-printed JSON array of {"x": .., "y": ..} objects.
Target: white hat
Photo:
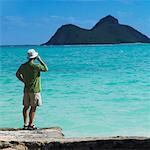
[{"x": 32, "y": 53}]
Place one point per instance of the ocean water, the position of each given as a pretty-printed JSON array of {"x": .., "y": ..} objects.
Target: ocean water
[{"x": 97, "y": 90}]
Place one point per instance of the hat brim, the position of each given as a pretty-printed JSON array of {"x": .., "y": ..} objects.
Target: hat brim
[{"x": 35, "y": 55}]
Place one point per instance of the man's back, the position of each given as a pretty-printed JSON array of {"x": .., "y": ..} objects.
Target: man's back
[{"x": 31, "y": 76}]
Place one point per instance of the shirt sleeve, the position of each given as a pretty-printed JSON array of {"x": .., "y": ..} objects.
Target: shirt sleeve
[{"x": 40, "y": 67}]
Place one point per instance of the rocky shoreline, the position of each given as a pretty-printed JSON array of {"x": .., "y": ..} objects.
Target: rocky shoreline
[{"x": 53, "y": 138}]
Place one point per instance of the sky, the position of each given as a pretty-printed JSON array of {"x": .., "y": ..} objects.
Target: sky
[{"x": 26, "y": 22}]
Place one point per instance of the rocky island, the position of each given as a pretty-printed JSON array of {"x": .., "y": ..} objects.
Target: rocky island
[{"x": 106, "y": 31}]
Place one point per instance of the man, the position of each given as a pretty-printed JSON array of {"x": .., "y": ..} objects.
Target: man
[{"x": 29, "y": 74}]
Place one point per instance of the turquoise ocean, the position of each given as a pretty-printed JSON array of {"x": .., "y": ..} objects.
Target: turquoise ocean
[{"x": 96, "y": 90}]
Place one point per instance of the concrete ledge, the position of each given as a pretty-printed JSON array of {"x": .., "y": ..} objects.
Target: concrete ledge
[
  {"x": 53, "y": 139},
  {"x": 18, "y": 134}
]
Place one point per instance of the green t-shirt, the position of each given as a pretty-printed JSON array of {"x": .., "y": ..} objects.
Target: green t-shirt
[{"x": 31, "y": 76}]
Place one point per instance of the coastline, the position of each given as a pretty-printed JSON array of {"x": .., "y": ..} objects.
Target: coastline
[
  {"x": 53, "y": 138},
  {"x": 39, "y": 45}
]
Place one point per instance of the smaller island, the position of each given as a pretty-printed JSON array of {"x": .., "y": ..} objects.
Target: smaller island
[{"x": 106, "y": 31}]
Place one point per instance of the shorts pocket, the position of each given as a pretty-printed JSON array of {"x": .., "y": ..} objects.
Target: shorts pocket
[{"x": 38, "y": 99}]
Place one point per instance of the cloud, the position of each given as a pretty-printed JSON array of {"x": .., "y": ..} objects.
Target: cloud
[
  {"x": 53, "y": 21},
  {"x": 60, "y": 20},
  {"x": 149, "y": 20},
  {"x": 49, "y": 19},
  {"x": 13, "y": 21},
  {"x": 122, "y": 14},
  {"x": 126, "y": 1}
]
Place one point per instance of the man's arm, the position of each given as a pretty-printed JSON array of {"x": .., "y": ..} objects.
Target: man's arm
[
  {"x": 42, "y": 63},
  {"x": 19, "y": 76}
]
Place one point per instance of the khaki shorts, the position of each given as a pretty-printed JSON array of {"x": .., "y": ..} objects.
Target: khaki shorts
[{"x": 32, "y": 99}]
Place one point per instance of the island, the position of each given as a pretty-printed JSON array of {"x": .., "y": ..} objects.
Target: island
[{"x": 106, "y": 31}]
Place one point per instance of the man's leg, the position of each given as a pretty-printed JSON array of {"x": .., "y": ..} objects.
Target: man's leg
[
  {"x": 25, "y": 115},
  {"x": 35, "y": 99},
  {"x": 32, "y": 115},
  {"x": 26, "y": 100}
]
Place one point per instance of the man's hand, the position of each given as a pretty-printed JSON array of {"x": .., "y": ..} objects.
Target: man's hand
[{"x": 19, "y": 76}]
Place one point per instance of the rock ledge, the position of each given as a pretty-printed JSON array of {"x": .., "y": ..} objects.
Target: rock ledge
[{"x": 53, "y": 138}]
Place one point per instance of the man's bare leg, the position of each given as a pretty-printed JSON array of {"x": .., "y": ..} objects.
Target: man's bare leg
[
  {"x": 25, "y": 115},
  {"x": 32, "y": 115}
]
